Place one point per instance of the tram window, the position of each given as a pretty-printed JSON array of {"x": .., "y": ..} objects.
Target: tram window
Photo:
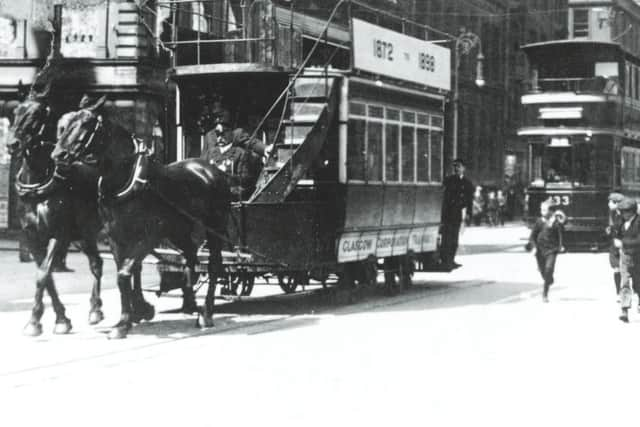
[
  {"x": 557, "y": 164},
  {"x": 423, "y": 119},
  {"x": 423, "y": 155},
  {"x": 357, "y": 109},
  {"x": 436, "y": 156},
  {"x": 408, "y": 117},
  {"x": 356, "y": 150},
  {"x": 584, "y": 164},
  {"x": 436, "y": 121},
  {"x": 393, "y": 114},
  {"x": 408, "y": 174},
  {"x": 391, "y": 153},
  {"x": 375, "y": 111},
  {"x": 374, "y": 151}
]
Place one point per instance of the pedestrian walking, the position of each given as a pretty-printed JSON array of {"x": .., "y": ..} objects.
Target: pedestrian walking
[
  {"x": 492, "y": 209},
  {"x": 613, "y": 230},
  {"x": 628, "y": 242},
  {"x": 502, "y": 207},
  {"x": 546, "y": 238},
  {"x": 477, "y": 210},
  {"x": 456, "y": 205}
]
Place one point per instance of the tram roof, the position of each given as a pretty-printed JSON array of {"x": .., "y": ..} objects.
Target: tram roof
[
  {"x": 203, "y": 70},
  {"x": 569, "y": 43}
]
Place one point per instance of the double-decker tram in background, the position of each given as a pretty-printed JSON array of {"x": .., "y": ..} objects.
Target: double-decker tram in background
[
  {"x": 582, "y": 120},
  {"x": 354, "y": 112}
]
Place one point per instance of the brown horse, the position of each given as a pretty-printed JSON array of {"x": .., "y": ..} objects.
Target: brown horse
[
  {"x": 143, "y": 202},
  {"x": 53, "y": 214}
]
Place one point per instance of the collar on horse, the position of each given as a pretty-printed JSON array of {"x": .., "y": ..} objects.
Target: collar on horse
[
  {"x": 39, "y": 189},
  {"x": 138, "y": 180}
]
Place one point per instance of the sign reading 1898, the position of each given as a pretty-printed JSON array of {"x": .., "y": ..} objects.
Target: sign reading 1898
[
  {"x": 388, "y": 53},
  {"x": 383, "y": 49}
]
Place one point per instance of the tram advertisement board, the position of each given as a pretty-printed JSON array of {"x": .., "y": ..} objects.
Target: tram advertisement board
[{"x": 385, "y": 52}]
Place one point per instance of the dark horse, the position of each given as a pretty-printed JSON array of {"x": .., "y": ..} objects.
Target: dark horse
[
  {"x": 143, "y": 202},
  {"x": 53, "y": 213}
]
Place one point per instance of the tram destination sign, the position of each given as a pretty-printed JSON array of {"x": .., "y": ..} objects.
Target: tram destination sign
[{"x": 389, "y": 53}]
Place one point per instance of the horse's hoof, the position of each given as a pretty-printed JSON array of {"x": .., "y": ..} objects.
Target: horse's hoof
[
  {"x": 118, "y": 333},
  {"x": 32, "y": 329},
  {"x": 204, "y": 321},
  {"x": 96, "y": 317},
  {"x": 145, "y": 311},
  {"x": 149, "y": 312},
  {"x": 63, "y": 327}
]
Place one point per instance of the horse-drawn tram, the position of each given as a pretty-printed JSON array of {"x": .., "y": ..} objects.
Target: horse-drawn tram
[{"x": 350, "y": 106}]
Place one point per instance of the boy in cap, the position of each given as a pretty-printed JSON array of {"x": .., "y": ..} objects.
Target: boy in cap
[
  {"x": 546, "y": 238},
  {"x": 613, "y": 232},
  {"x": 628, "y": 241}
]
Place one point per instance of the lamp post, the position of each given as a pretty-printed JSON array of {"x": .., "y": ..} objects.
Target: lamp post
[{"x": 465, "y": 43}]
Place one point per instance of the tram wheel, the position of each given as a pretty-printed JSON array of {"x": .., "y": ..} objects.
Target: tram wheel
[
  {"x": 242, "y": 284},
  {"x": 289, "y": 282}
]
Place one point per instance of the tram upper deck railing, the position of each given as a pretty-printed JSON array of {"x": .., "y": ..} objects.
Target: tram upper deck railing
[
  {"x": 268, "y": 32},
  {"x": 597, "y": 85}
]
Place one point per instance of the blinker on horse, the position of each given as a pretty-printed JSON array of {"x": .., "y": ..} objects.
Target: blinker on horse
[{"x": 143, "y": 202}]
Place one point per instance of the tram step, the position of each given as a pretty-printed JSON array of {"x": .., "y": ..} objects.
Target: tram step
[
  {"x": 307, "y": 120},
  {"x": 312, "y": 86},
  {"x": 302, "y": 109}
]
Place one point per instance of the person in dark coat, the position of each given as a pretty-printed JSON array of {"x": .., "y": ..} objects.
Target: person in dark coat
[
  {"x": 628, "y": 242},
  {"x": 613, "y": 231},
  {"x": 546, "y": 238},
  {"x": 234, "y": 152},
  {"x": 457, "y": 203}
]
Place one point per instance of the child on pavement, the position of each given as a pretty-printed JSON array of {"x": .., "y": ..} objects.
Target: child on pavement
[
  {"x": 628, "y": 241},
  {"x": 546, "y": 238},
  {"x": 613, "y": 231}
]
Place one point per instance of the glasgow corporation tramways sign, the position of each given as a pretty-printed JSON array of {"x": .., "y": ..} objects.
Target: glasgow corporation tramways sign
[{"x": 389, "y": 53}]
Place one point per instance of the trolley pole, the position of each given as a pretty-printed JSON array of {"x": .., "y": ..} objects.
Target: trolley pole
[{"x": 465, "y": 42}]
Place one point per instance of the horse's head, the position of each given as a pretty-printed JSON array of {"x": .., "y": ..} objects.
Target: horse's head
[
  {"x": 33, "y": 127},
  {"x": 82, "y": 134}
]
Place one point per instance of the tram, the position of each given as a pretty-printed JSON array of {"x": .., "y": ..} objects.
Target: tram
[
  {"x": 581, "y": 118},
  {"x": 355, "y": 113}
]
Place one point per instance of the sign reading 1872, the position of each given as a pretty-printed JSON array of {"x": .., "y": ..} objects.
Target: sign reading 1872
[{"x": 392, "y": 54}]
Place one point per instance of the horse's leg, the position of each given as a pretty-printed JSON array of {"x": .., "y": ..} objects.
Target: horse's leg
[
  {"x": 215, "y": 269},
  {"x": 142, "y": 310},
  {"x": 34, "y": 328},
  {"x": 190, "y": 251},
  {"x": 90, "y": 248},
  {"x": 120, "y": 329},
  {"x": 45, "y": 281}
]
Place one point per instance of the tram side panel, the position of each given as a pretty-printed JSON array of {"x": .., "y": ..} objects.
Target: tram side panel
[
  {"x": 389, "y": 220},
  {"x": 284, "y": 237}
]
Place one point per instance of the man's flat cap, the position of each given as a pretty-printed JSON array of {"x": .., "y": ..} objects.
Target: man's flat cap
[
  {"x": 616, "y": 197},
  {"x": 628, "y": 204}
]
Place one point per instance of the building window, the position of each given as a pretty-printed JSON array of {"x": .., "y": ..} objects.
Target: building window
[{"x": 580, "y": 22}]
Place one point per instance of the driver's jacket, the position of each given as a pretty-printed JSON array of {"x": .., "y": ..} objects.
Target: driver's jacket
[{"x": 243, "y": 166}]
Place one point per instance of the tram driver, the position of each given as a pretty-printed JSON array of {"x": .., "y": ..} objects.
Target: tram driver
[{"x": 233, "y": 151}]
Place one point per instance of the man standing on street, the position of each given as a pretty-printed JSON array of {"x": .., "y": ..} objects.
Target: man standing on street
[
  {"x": 456, "y": 204},
  {"x": 628, "y": 241}
]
